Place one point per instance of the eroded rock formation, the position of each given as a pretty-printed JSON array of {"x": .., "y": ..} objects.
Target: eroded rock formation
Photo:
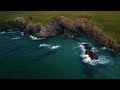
[{"x": 57, "y": 25}]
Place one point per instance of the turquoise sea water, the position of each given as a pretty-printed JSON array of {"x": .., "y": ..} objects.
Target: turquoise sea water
[{"x": 26, "y": 57}]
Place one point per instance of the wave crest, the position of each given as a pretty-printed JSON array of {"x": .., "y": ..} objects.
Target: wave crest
[
  {"x": 22, "y": 33},
  {"x": 49, "y": 46},
  {"x": 2, "y": 32},
  {"x": 103, "y": 48},
  {"x": 15, "y": 38},
  {"x": 55, "y": 47},
  {"x": 101, "y": 60},
  {"x": 35, "y": 38},
  {"x": 44, "y": 45},
  {"x": 87, "y": 59}
]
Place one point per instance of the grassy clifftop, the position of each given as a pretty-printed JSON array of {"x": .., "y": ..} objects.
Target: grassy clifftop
[{"x": 108, "y": 20}]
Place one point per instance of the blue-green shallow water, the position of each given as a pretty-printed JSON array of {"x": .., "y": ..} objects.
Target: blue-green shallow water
[{"x": 23, "y": 58}]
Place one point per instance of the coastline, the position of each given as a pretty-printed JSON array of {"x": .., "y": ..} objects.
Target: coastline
[{"x": 57, "y": 25}]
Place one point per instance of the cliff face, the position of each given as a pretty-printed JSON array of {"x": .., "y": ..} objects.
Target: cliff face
[
  {"x": 62, "y": 25},
  {"x": 91, "y": 28},
  {"x": 57, "y": 25},
  {"x": 32, "y": 29},
  {"x": 18, "y": 23}
]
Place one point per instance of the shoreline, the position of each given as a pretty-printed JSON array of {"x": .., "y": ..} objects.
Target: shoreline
[{"x": 58, "y": 25}]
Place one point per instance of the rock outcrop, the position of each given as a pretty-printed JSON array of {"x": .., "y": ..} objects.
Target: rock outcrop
[
  {"x": 58, "y": 25},
  {"x": 33, "y": 29},
  {"x": 89, "y": 52},
  {"x": 91, "y": 28},
  {"x": 18, "y": 23}
]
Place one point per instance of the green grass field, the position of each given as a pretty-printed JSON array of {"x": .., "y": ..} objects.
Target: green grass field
[{"x": 109, "y": 20}]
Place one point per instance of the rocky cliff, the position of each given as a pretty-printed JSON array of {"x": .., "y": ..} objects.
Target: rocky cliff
[{"x": 57, "y": 25}]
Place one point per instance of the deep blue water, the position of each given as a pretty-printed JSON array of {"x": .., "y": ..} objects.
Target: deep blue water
[{"x": 22, "y": 57}]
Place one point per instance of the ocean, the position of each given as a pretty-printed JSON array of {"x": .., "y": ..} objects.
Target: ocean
[{"x": 27, "y": 57}]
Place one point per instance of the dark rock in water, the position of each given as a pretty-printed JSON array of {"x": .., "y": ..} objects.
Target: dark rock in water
[
  {"x": 88, "y": 51},
  {"x": 87, "y": 46},
  {"x": 92, "y": 55}
]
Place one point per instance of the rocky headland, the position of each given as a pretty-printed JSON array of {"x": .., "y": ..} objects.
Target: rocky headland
[{"x": 58, "y": 25}]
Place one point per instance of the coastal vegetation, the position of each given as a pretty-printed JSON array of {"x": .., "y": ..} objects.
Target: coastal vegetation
[{"x": 102, "y": 26}]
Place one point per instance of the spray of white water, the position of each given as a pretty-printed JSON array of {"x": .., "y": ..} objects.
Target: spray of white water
[
  {"x": 49, "y": 46},
  {"x": 2, "y": 32},
  {"x": 35, "y": 38},
  {"x": 15, "y": 38},
  {"x": 87, "y": 59},
  {"x": 22, "y": 33}
]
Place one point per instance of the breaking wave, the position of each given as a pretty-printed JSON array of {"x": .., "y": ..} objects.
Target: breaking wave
[
  {"x": 35, "y": 38},
  {"x": 22, "y": 33},
  {"x": 87, "y": 59},
  {"x": 2, "y": 32},
  {"x": 55, "y": 47},
  {"x": 44, "y": 45},
  {"x": 103, "y": 48},
  {"x": 15, "y": 38},
  {"x": 94, "y": 49},
  {"x": 49, "y": 46},
  {"x": 101, "y": 60},
  {"x": 13, "y": 32}
]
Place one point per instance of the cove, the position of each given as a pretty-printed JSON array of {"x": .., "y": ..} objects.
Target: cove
[{"x": 53, "y": 58}]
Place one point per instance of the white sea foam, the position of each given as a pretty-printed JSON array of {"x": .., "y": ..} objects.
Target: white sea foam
[
  {"x": 87, "y": 59},
  {"x": 49, "y": 46},
  {"x": 35, "y": 38},
  {"x": 22, "y": 33},
  {"x": 103, "y": 48},
  {"x": 101, "y": 60},
  {"x": 44, "y": 45},
  {"x": 55, "y": 47},
  {"x": 13, "y": 32},
  {"x": 83, "y": 49},
  {"x": 94, "y": 49},
  {"x": 2, "y": 32},
  {"x": 9, "y": 32},
  {"x": 72, "y": 36},
  {"x": 78, "y": 43},
  {"x": 15, "y": 38}
]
